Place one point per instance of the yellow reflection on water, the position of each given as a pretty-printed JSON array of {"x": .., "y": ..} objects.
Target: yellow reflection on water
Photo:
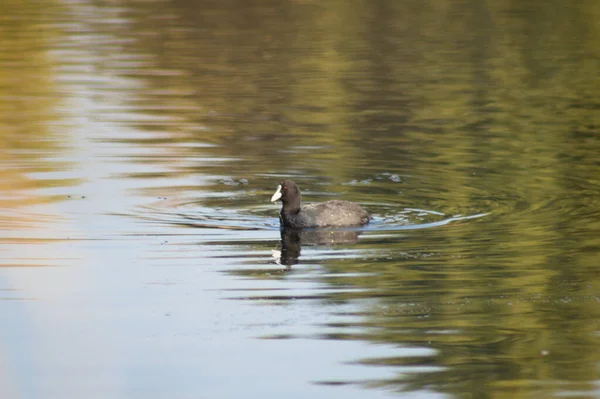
[{"x": 31, "y": 142}]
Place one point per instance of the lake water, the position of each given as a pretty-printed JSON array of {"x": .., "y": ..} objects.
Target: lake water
[{"x": 140, "y": 143}]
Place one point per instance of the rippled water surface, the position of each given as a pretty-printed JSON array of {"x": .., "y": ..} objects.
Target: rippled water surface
[{"x": 140, "y": 143}]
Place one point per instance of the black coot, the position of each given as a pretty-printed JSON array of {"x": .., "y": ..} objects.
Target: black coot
[{"x": 334, "y": 213}]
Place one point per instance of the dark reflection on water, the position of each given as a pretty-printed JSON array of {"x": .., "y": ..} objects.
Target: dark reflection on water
[
  {"x": 292, "y": 241},
  {"x": 136, "y": 137}
]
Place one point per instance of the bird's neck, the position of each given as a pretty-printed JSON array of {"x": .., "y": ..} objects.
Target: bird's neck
[{"x": 292, "y": 207}]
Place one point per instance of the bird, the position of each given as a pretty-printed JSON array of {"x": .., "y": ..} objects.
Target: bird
[{"x": 334, "y": 213}]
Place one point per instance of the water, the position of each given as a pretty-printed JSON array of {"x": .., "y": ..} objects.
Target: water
[{"x": 140, "y": 144}]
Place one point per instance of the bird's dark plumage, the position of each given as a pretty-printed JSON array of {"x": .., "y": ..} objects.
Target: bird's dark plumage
[{"x": 335, "y": 213}]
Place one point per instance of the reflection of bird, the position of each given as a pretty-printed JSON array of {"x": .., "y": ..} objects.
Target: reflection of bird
[
  {"x": 333, "y": 213},
  {"x": 293, "y": 239}
]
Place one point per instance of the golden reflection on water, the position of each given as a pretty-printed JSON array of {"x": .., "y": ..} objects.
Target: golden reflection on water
[{"x": 30, "y": 143}]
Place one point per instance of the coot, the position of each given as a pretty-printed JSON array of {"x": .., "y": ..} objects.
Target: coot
[{"x": 334, "y": 213}]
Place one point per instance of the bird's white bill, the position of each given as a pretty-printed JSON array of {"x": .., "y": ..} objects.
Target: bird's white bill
[{"x": 277, "y": 194}]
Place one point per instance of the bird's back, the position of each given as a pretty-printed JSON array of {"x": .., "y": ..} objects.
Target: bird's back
[{"x": 335, "y": 213}]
